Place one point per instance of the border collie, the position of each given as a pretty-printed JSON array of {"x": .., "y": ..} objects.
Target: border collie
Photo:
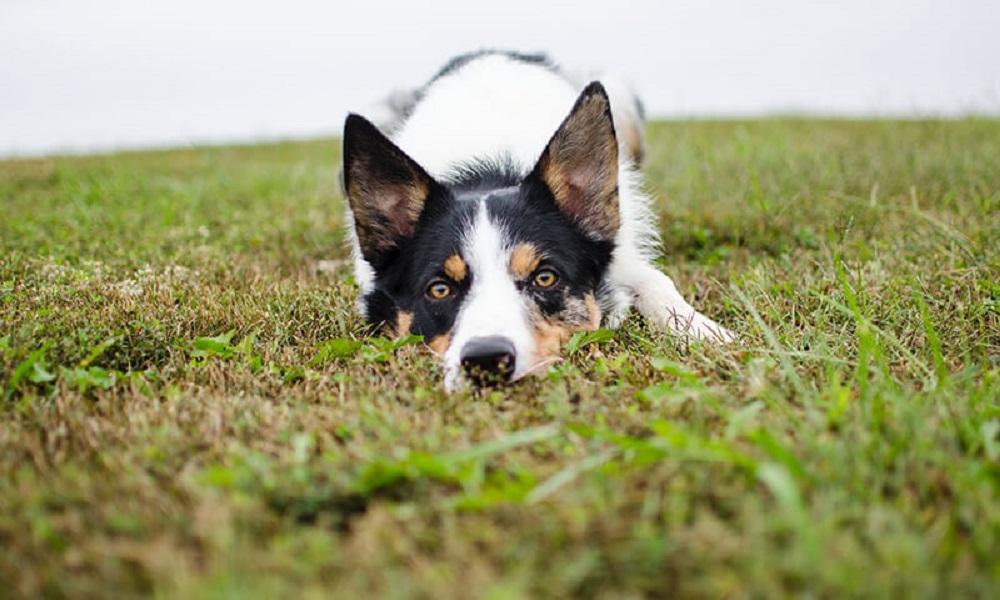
[{"x": 497, "y": 210}]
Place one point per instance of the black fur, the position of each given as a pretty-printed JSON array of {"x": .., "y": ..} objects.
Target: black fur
[
  {"x": 573, "y": 233},
  {"x": 525, "y": 213},
  {"x": 485, "y": 174},
  {"x": 531, "y": 215},
  {"x": 461, "y": 60},
  {"x": 404, "y": 277}
]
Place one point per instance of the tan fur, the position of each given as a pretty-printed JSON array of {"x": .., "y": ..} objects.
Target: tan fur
[
  {"x": 524, "y": 260},
  {"x": 375, "y": 232},
  {"x": 551, "y": 333},
  {"x": 580, "y": 167},
  {"x": 633, "y": 140},
  {"x": 385, "y": 209},
  {"x": 550, "y": 337},
  {"x": 455, "y": 267},
  {"x": 403, "y": 322},
  {"x": 593, "y": 312},
  {"x": 440, "y": 343}
]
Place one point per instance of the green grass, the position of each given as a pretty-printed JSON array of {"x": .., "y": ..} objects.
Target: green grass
[{"x": 190, "y": 408}]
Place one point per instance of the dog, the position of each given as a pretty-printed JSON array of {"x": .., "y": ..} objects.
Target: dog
[{"x": 497, "y": 210}]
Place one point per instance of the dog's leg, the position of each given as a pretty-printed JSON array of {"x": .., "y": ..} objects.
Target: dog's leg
[{"x": 656, "y": 297}]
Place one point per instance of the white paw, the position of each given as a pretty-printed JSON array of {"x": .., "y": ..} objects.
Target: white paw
[{"x": 700, "y": 327}]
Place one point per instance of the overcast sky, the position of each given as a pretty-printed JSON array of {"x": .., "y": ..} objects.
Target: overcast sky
[{"x": 99, "y": 74}]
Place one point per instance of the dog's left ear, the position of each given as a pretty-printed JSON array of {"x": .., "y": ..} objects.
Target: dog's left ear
[
  {"x": 387, "y": 189},
  {"x": 580, "y": 165}
]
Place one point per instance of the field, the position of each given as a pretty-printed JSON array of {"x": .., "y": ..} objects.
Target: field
[{"x": 190, "y": 408}]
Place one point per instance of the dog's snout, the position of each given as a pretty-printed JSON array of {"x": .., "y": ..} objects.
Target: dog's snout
[{"x": 489, "y": 359}]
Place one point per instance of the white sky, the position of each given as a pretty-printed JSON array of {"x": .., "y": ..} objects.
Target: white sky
[{"x": 98, "y": 74}]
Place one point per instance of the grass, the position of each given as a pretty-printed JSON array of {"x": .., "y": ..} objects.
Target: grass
[{"x": 190, "y": 408}]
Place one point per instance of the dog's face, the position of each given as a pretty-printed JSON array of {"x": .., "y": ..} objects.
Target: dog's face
[{"x": 495, "y": 271}]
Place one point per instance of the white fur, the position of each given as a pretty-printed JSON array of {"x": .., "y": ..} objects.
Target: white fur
[
  {"x": 494, "y": 306},
  {"x": 491, "y": 107},
  {"x": 500, "y": 108}
]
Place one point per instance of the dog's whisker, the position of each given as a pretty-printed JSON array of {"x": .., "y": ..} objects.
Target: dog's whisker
[{"x": 539, "y": 366}]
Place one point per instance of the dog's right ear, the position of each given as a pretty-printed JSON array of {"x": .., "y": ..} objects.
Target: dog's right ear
[{"x": 386, "y": 188}]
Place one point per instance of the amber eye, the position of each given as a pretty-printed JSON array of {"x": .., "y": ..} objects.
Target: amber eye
[
  {"x": 438, "y": 290},
  {"x": 546, "y": 278}
]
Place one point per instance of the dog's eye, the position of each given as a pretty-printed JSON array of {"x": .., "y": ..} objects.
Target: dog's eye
[
  {"x": 545, "y": 278},
  {"x": 439, "y": 290}
]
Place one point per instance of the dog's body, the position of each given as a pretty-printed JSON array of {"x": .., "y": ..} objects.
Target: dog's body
[{"x": 497, "y": 226}]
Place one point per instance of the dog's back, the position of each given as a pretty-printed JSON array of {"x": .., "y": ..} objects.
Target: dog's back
[{"x": 499, "y": 107}]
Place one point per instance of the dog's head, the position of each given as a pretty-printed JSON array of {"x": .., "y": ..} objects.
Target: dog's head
[{"x": 496, "y": 271}]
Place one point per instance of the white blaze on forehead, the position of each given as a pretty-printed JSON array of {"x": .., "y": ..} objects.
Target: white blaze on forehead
[{"x": 493, "y": 306}]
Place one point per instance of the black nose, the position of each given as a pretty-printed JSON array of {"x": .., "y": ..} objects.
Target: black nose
[{"x": 488, "y": 359}]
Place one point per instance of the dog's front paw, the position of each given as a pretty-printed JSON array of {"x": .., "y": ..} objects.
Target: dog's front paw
[{"x": 701, "y": 327}]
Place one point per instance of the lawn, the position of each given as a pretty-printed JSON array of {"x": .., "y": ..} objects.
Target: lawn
[{"x": 191, "y": 409}]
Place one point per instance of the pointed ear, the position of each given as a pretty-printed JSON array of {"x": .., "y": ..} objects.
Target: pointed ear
[
  {"x": 580, "y": 165},
  {"x": 386, "y": 188}
]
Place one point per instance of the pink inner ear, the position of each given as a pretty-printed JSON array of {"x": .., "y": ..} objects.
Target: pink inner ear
[
  {"x": 396, "y": 204},
  {"x": 583, "y": 191},
  {"x": 575, "y": 201},
  {"x": 581, "y": 188}
]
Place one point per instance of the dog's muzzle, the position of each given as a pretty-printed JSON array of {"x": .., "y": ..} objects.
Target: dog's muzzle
[{"x": 489, "y": 360}]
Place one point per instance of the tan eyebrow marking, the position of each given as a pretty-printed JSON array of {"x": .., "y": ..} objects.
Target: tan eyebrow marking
[
  {"x": 524, "y": 259},
  {"x": 454, "y": 267}
]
